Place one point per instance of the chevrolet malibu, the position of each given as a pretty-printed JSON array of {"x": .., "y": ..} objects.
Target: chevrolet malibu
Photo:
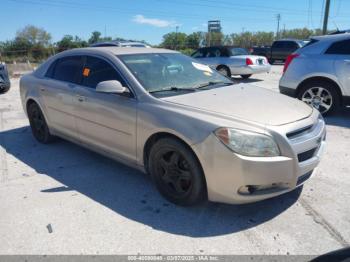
[{"x": 196, "y": 133}]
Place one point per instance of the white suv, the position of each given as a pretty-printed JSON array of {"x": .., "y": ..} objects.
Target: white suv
[{"x": 319, "y": 73}]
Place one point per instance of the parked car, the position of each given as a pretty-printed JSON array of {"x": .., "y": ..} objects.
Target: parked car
[
  {"x": 120, "y": 44},
  {"x": 4, "y": 79},
  {"x": 319, "y": 73},
  {"x": 280, "y": 49},
  {"x": 230, "y": 61},
  {"x": 195, "y": 132}
]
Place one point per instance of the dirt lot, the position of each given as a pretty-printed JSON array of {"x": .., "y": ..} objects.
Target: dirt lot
[{"x": 63, "y": 199}]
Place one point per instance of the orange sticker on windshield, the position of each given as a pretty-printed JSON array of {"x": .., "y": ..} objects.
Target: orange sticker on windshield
[{"x": 86, "y": 72}]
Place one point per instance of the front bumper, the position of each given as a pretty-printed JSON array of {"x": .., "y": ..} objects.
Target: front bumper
[
  {"x": 250, "y": 69},
  {"x": 227, "y": 173}
]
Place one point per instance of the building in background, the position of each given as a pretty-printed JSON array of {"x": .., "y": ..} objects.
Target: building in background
[
  {"x": 214, "y": 26},
  {"x": 214, "y": 35}
]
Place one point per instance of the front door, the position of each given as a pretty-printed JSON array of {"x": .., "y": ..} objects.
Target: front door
[{"x": 106, "y": 121}]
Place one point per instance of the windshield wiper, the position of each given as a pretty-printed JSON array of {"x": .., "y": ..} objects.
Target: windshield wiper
[
  {"x": 211, "y": 83},
  {"x": 173, "y": 88}
]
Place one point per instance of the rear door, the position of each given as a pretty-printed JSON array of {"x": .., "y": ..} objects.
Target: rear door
[
  {"x": 339, "y": 52},
  {"x": 105, "y": 121},
  {"x": 57, "y": 91}
]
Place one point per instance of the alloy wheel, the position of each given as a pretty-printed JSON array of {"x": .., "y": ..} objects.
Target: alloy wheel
[{"x": 318, "y": 97}]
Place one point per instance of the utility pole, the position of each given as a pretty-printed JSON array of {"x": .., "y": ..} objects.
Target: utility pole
[
  {"x": 278, "y": 26},
  {"x": 177, "y": 28},
  {"x": 325, "y": 19}
]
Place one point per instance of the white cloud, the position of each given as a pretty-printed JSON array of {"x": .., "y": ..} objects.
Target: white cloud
[{"x": 140, "y": 19}]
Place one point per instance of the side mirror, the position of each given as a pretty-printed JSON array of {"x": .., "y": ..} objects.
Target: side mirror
[{"x": 110, "y": 86}]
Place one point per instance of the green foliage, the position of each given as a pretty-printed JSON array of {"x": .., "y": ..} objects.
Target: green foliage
[
  {"x": 34, "y": 35},
  {"x": 31, "y": 43},
  {"x": 34, "y": 43},
  {"x": 69, "y": 42},
  {"x": 249, "y": 39},
  {"x": 174, "y": 40},
  {"x": 194, "y": 40},
  {"x": 95, "y": 37}
]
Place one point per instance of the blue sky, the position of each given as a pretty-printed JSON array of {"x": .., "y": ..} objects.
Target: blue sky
[{"x": 151, "y": 19}]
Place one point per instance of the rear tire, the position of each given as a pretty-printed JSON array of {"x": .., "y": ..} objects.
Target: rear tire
[
  {"x": 224, "y": 70},
  {"x": 38, "y": 124},
  {"x": 176, "y": 172},
  {"x": 245, "y": 76},
  {"x": 322, "y": 95}
]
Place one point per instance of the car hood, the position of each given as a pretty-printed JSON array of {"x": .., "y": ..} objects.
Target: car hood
[{"x": 246, "y": 102}]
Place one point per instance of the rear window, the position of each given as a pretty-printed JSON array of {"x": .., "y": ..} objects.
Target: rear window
[
  {"x": 278, "y": 44},
  {"x": 238, "y": 51}
]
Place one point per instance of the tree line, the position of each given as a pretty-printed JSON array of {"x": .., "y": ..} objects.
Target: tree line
[
  {"x": 35, "y": 44},
  {"x": 187, "y": 43}
]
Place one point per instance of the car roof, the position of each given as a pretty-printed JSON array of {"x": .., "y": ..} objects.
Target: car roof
[
  {"x": 116, "y": 50},
  {"x": 337, "y": 37},
  {"x": 221, "y": 46},
  {"x": 117, "y": 43},
  {"x": 289, "y": 40}
]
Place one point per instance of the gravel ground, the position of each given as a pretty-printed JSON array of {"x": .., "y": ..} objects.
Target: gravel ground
[{"x": 64, "y": 199}]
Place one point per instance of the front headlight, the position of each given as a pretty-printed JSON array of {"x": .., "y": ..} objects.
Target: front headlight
[{"x": 248, "y": 143}]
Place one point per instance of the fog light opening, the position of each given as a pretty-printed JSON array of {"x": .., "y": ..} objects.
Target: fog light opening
[{"x": 262, "y": 189}]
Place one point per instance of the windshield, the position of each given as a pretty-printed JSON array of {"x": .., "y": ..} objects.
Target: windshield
[
  {"x": 238, "y": 51},
  {"x": 166, "y": 71}
]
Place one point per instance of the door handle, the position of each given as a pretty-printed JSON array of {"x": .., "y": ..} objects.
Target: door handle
[
  {"x": 42, "y": 88},
  {"x": 347, "y": 61},
  {"x": 81, "y": 98}
]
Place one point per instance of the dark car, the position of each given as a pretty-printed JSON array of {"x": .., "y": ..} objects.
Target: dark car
[
  {"x": 280, "y": 49},
  {"x": 4, "y": 79}
]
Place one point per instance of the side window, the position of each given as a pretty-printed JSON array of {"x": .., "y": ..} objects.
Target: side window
[
  {"x": 214, "y": 52},
  {"x": 291, "y": 45},
  {"x": 97, "y": 70},
  {"x": 339, "y": 48},
  {"x": 225, "y": 52},
  {"x": 278, "y": 44},
  {"x": 68, "y": 69}
]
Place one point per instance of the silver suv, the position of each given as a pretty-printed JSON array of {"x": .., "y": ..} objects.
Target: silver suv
[{"x": 319, "y": 73}]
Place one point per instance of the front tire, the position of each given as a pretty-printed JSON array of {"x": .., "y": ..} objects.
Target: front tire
[
  {"x": 245, "y": 76},
  {"x": 176, "y": 172},
  {"x": 38, "y": 124},
  {"x": 4, "y": 89},
  {"x": 224, "y": 70},
  {"x": 322, "y": 95}
]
